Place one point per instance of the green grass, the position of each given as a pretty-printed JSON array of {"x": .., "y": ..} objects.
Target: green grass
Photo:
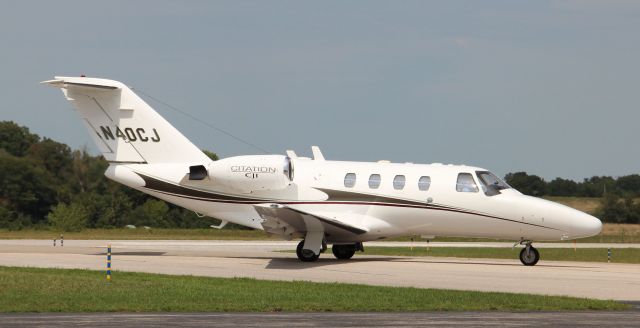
[
  {"x": 611, "y": 233},
  {"x": 64, "y": 290},
  {"x": 140, "y": 234},
  {"x": 618, "y": 255}
]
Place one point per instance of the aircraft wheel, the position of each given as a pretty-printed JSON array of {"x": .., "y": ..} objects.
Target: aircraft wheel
[
  {"x": 343, "y": 252},
  {"x": 305, "y": 255},
  {"x": 529, "y": 256}
]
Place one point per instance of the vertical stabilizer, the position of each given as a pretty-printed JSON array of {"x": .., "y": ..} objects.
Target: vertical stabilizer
[{"x": 124, "y": 127}]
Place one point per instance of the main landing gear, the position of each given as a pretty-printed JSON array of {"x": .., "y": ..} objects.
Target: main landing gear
[
  {"x": 529, "y": 255},
  {"x": 306, "y": 255},
  {"x": 341, "y": 252},
  {"x": 345, "y": 252}
]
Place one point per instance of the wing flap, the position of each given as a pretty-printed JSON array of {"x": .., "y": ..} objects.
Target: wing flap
[{"x": 289, "y": 222}]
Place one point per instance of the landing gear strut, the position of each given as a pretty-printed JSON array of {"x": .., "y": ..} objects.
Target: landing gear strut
[{"x": 529, "y": 255}]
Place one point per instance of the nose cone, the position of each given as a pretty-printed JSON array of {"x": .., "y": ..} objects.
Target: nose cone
[
  {"x": 571, "y": 223},
  {"x": 586, "y": 225}
]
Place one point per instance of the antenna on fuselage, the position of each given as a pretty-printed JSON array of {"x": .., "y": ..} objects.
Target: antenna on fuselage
[{"x": 317, "y": 154}]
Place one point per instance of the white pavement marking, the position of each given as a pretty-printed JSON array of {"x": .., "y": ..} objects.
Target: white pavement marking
[{"x": 256, "y": 260}]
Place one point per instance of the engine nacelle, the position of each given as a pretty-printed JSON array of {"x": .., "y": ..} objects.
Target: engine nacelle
[{"x": 252, "y": 173}]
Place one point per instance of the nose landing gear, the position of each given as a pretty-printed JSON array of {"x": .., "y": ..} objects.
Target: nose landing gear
[{"x": 529, "y": 255}]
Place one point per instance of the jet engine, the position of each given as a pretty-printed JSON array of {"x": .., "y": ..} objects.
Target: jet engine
[{"x": 252, "y": 173}]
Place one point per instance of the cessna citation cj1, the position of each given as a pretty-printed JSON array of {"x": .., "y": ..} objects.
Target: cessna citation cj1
[{"x": 323, "y": 202}]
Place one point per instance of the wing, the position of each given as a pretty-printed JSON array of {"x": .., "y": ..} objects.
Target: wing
[{"x": 289, "y": 222}]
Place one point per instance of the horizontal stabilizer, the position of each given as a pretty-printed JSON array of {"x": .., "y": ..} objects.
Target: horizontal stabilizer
[{"x": 83, "y": 82}]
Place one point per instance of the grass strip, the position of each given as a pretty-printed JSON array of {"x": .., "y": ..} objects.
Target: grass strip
[
  {"x": 611, "y": 233},
  {"x": 618, "y": 255},
  {"x": 141, "y": 234},
  {"x": 67, "y": 290}
]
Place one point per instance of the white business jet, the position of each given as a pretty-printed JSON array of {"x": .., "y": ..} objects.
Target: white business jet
[{"x": 321, "y": 201}]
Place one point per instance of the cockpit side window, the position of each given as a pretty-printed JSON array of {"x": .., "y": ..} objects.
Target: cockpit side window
[
  {"x": 466, "y": 183},
  {"x": 491, "y": 184}
]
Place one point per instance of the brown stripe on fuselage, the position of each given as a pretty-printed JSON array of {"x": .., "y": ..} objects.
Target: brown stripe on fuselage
[{"x": 339, "y": 198}]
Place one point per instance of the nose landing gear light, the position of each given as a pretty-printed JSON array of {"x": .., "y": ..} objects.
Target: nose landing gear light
[{"x": 529, "y": 255}]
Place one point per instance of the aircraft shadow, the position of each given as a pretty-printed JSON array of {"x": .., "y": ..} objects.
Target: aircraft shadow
[{"x": 294, "y": 263}]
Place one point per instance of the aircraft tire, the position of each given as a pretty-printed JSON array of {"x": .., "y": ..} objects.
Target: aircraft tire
[
  {"x": 531, "y": 258},
  {"x": 305, "y": 255},
  {"x": 343, "y": 252}
]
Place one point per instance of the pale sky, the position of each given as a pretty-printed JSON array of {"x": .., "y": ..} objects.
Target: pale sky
[{"x": 547, "y": 87}]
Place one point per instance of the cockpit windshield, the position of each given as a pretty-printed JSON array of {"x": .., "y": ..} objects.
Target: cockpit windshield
[{"x": 491, "y": 184}]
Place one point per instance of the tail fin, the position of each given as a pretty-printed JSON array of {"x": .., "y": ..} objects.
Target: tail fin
[{"x": 123, "y": 126}]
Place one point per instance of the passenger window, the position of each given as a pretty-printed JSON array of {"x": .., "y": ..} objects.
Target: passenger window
[
  {"x": 398, "y": 182},
  {"x": 424, "y": 183},
  {"x": 466, "y": 183},
  {"x": 350, "y": 180},
  {"x": 374, "y": 181}
]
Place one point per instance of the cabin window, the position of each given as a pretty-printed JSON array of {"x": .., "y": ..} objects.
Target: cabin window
[
  {"x": 398, "y": 182},
  {"x": 424, "y": 183},
  {"x": 374, "y": 181},
  {"x": 466, "y": 183},
  {"x": 350, "y": 180}
]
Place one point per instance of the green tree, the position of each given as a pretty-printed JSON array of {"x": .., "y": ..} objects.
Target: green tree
[
  {"x": 610, "y": 208},
  {"x": 153, "y": 213},
  {"x": 596, "y": 186},
  {"x": 532, "y": 185},
  {"x": 65, "y": 217},
  {"x": 88, "y": 172},
  {"x": 212, "y": 155},
  {"x": 15, "y": 139},
  {"x": 13, "y": 220},
  {"x": 55, "y": 157},
  {"x": 562, "y": 187},
  {"x": 629, "y": 184},
  {"x": 26, "y": 187}
]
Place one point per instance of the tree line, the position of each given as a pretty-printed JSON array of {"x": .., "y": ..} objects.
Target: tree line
[
  {"x": 618, "y": 195},
  {"x": 44, "y": 183}
]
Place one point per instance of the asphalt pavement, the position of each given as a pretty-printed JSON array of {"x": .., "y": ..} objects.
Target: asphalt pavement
[{"x": 267, "y": 320}]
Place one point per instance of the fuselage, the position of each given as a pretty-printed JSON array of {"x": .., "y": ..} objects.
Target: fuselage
[
  {"x": 322, "y": 202},
  {"x": 387, "y": 199}
]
